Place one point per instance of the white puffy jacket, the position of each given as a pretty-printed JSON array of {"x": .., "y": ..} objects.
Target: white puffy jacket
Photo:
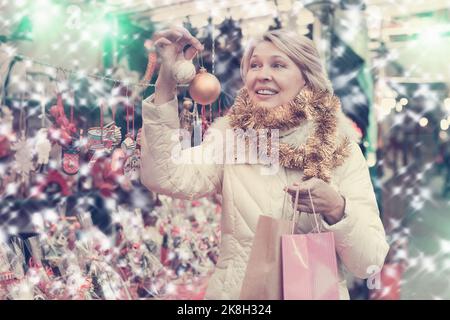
[{"x": 246, "y": 193}]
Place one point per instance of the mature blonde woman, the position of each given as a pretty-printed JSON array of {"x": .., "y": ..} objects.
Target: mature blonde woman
[{"x": 285, "y": 89}]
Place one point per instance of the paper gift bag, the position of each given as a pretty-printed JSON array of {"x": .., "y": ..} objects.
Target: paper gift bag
[
  {"x": 309, "y": 264},
  {"x": 309, "y": 267},
  {"x": 262, "y": 279}
]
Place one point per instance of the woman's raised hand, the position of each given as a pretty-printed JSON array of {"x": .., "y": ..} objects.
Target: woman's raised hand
[
  {"x": 170, "y": 46},
  {"x": 171, "y": 42}
]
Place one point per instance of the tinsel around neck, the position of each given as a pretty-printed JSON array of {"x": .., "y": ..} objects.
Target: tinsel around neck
[{"x": 321, "y": 153}]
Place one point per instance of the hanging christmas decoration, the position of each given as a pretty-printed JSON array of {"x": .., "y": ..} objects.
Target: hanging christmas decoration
[
  {"x": 205, "y": 123},
  {"x": 183, "y": 71},
  {"x": 24, "y": 152},
  {"x": 204, "y": 88},
  {"x": 104, "y": 178},
  {"x": 187, "y": 115},
  {"x": 106, "y": 137},
  {"x": 151, "y": 66},
  {"x": 53, "y": 177},
  {"x": 43, "y": 146},
  {"x": 117, "y": 134},
  {"x": 210, "y": 114},
  {"x": 132, "y": 165},
  {"x": 118, "y": 161},
  {"x": 64, "y": 130},
  {"x": 197, "y": 127},
  {"x": 128, "y": 145},
  {"x": 109, "y": 136},
  {"x": 70, "y": 153},
  {"x": 71, "y": 160},
  {"x": 132, "y": 162}
]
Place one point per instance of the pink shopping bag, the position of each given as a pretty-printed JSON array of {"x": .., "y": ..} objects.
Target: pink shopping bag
[{"x": 309, "y": 264}]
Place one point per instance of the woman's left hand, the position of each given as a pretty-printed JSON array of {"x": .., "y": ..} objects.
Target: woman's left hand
[{"x": 326, "y": 200}]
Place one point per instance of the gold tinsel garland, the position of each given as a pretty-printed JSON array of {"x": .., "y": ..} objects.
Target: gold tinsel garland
[{"x": 320, "y": 154}]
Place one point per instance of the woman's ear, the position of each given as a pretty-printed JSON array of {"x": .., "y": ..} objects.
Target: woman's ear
[
  {"x": 304, "y": 80},
  {"x": 303, "y": 84}
]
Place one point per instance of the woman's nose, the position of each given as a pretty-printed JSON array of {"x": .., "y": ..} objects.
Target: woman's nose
[{"x": 264, "y": 74}]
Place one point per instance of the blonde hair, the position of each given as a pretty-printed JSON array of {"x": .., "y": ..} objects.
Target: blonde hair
[{"x": 299, "y": 49}]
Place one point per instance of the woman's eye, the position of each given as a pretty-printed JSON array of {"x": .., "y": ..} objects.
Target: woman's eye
[
  {"x": 278, "y": 65},
  {"x": 254, "y": 65}
]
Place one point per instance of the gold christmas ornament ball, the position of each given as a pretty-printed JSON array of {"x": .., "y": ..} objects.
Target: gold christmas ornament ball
[
  {"x": 187, "y": 104},
  {"x": 205, "y": 88},
  {"x": 183, "y": 71}
]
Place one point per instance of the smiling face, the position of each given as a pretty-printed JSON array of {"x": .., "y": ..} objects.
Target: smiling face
[{"x": 272, "y": 79}]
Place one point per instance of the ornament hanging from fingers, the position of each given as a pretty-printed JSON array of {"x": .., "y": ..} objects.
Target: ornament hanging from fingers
[
  {"x": 205, "y": 87},
  {"x": 183, "y": 71}
]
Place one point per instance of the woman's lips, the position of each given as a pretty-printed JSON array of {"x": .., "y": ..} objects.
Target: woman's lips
[{"x": 265, "y": 96}]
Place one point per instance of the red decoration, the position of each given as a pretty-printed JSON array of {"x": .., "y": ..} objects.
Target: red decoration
[
  {"x": 151, "y": 66},
  {"x": 204, "y": 121},
  {"x": 7, "y": 278},
  {"x": 390, "y": 279},
  {"x": 105, "y": 179},
  {"x": 357, "y": 129},
  {"x": 64, "y": 130},
  {"x": 175, "y": 231},
  {"x": 164, "y": 256},
  {"x": 118, "y": 159},
  {"x": 54, "y": 177},
  {"x": 71, "y": 161},
  {"x": 5, "y": 147}
]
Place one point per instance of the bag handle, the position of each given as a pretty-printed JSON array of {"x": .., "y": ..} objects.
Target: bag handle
[
  {"x": 314, "y": 212},
  {"x": 295, "y": 208},
  {"x": 284, "y": 205}
]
